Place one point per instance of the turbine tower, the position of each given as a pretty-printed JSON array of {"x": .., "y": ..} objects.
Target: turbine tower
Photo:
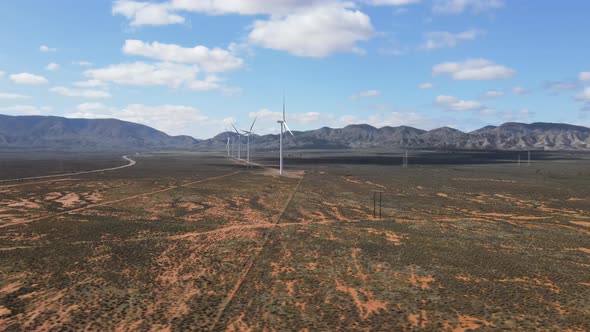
[
  {"x": 283, "y": 127},
  {"x": 239, "y": 140},
  {"x": 228, "y": 144},
  {"x": 248, "y": 134}
]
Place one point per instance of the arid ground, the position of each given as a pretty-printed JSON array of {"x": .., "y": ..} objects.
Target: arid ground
[{"x": 197, "y": 241}]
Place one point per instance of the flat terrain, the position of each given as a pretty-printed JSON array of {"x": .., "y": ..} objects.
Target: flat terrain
[{"x": 199, "y": 242}]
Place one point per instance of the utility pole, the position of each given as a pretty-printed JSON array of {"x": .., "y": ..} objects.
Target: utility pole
[
  {"x": 529, "y": 160},
  {"x": 375, "y": 192}
]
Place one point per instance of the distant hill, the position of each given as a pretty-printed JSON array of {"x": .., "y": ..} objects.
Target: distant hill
[
  {"x": 509, "y": 136},
  {"x": 50, "y": 132}
]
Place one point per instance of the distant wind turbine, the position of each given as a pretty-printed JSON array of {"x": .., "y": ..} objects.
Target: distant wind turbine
[
  {"x": 248, "y": 134},
  {"x": 228, "y": 144},
  {"x": 283, "y": 127},
  {"x": 239, "y": 140}
]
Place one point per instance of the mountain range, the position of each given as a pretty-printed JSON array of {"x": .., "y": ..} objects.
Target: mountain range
[{"x": 50, "y": 132}]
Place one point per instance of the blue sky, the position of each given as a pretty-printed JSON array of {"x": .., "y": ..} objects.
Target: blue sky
[{"x": 194, "y": 66}]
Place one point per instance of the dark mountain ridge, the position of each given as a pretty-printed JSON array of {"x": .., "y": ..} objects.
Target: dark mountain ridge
[{"x": 50, "y": 132}]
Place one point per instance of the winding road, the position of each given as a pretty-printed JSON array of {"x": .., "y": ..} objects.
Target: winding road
[{"x": 131, "y": 163}]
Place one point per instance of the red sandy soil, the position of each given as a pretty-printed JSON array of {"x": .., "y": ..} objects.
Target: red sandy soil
[
  {"x": 69, "y": 200},
  {"x": 581, "y": 223},
  {"x": 364, "y": 307},
  {"x": 418, "y": 320},
  {"x": 418, "y": 281},
  {"x": 467, "y": 323}
]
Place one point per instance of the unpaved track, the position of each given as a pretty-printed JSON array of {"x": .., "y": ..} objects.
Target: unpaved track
[
  {"x": 248, "y": 267},
  {"x": 130, "y": 163},
  {"x": 118, "y": 200}
]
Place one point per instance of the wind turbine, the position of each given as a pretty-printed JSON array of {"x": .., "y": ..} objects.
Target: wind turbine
[
  {"x": 283, "y": 126},
  {"x": 239, "y": 141},
  {"x": 248, "y": 133},
  {"x": 228, "y": 144}
]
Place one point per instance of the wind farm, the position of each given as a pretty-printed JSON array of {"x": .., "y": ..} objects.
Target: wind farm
[{"x": 317, "y": 165}]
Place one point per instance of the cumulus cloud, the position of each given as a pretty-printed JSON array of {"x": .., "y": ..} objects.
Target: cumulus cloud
[
  {"x": 425, "y": 86},
  {"x": 454, "y": 7},
  {"x": 451, "y": 103},
  {"x": 557, "y": 87},
  {"x": 27, "y": 78},
  {"x": 83, "y": 63},
  {"x": 302, "y": 118},
  {"x": 445, "y": 39},
  {"x": 158, "y": 74},
  {"x": 52, "y": 66},
  {"x": 47, "y": 49},
  {"x": 147, "y": 13},
  {"x": 391, "y": 2},
  {"x": 210, "y": 60},
  {"x": 518, "y": 90},
  {"x": 584, "y": 76},
  {"x": 314, "y": 32},
  {"x": 25, "y": 110},
  {"x": 473, "y": 69},
  {"x": 12, "y": 96},
  {"x": 492, "y": 94},
  {"x": 584, "y": 95},
  {"x": 93, "y": 94},
  {"x": 250, "y": 7},
  {"x": 366, "y": 94},
  {"x": 90, "y": 84},
  {"x": 172, "y": 119}
]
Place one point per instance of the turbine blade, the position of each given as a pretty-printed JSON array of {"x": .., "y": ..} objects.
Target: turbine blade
[
  {"x": 283, "y": 105},
  {"x": 236, "y": 129},
  {"x": 253, "y": 122},
  {"x": 286, "y": 126}
]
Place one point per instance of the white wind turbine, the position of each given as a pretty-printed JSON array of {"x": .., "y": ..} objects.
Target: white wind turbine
[
  {"x": 284, "y": 125},
  {"x": 248, "y": 134},
  {"x": 239, "y": 141},
  {"x": 228, "y": 144}
]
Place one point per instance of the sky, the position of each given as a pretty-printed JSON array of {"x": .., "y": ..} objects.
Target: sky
[{"x": 195, "y": 66}]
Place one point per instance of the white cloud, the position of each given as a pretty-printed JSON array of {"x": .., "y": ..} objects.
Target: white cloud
[
  {"x": 366, "y": 94},
  {"x": 584, "y": 76},
  {"x": 90, "y": 84},
  {"x": 52, "y": 66},
  {"x": 83, "y": 63},
  {"x": 94, "y": 94},
  {"x": 26, "y": 78},
  {"x": 451, "y": 103},
  {"x": 473, "y": 69},
  {"x": 250, "y": 7},
  {"x": 492, "y": 94},
  {"x": 299, "y": 118},
  {"x": 47, "y": 49},
  {"x": 158, "y": 74},
  {"x": 391, "y": 2},
  {"x": 425, "y": 86},
  {"x": 210, "y": 60},
  {"x": 444, "y": 39},
  {"x": 584, "y": 95},
  {"x": 561, "y": 86},
  {"x": 314, "y": 31},
  {"x": 453, "y": 7},
  {"x": 25, "y": 110},
  {"x": 13, "y": 96},
  {"x": 172, "y": 119},
  {"x": 518, "y": 90},
  {"x": 147, "y": 13}
]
